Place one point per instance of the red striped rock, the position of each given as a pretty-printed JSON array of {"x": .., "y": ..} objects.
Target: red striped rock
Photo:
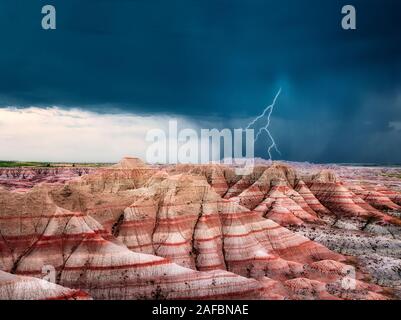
[
  {"x": 115, "y": 272},
  {"x": 86, "y": 257},
  {"x": 25, "y": 178},
  {"x": 278, "y": 212},
  {"x": 280, "y": 206},
  {"x": 343, "y": 202},
  {"x": 184, "y": 220},
  {"x": 245, "y": 182},
  {"x": 257, "y": 192},
  {"x": 105, "y": 194},
  {"x": 374, "y": 198},
  {"x": 139, "y": 232},
  {"x": 167, "y": 222},
  {"x": 391, "y": 194},
  {"x": 335, "y": 196},
  {"x": 13, "y": 287},
  {"x": 219, "y": 177},
  {"x": 235, "y": 238},
  {"x": 310, "y": 199},
  {"x": 180, "y": 217}
]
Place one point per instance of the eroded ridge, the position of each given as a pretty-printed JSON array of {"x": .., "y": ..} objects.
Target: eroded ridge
[{"x": 133, "y": 231}]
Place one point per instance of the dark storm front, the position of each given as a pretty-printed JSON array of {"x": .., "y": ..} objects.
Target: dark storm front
[
  {"x": 201, "y": 309},
  {"x": 348, "y": 21}
]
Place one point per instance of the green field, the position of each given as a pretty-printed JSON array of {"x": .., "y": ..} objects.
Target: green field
[{"x": 11, "y": 164}]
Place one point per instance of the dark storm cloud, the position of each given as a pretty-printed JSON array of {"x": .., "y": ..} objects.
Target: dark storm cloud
[{"x": 219, "y": 59}]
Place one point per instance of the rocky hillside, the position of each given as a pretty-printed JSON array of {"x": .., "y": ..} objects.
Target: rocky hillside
[{"x": 200, "y": 231}]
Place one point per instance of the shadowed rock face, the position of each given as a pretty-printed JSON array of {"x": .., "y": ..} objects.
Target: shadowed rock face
[{"x": 138, "y": 232}]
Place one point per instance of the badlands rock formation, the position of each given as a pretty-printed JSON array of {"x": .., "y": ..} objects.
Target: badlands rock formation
[
  {"x": 87, "y": 257},
  {"x": 133, "y": 231},
  {"x": 25, "y": 178},
  {"x": 13, "y": 287}
]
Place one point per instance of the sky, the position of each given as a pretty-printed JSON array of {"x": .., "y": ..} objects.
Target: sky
[{"x": 115, "y": 69}]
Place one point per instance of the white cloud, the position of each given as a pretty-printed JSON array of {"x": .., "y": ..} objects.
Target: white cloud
[
  {"x": 58, "y": 135},
  {"x": 54, "y": 134}
]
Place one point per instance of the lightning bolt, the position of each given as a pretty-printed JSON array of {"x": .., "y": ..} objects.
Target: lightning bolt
[{"x": 266, "y": 114}]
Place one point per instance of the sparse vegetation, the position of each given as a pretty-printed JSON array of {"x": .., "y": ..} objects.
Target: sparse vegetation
[{"x": 10, "y": 164}]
